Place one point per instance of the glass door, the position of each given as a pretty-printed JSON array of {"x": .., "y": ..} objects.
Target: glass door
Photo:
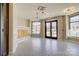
[
  {"x": 54, "y": 29},
  {"x": 48, "y": 29},
  {"x": 51, "y": 29}
]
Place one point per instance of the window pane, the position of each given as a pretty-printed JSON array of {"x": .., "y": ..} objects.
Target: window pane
[
  {"x": 48, "y": 33},
  {"x": 48, "y": 25},
  {"x": 74, "y": 29},
  {"x": 38, "y": 32},
  {"x": 34, "y": 24},
  {"x": 54, "y": 29},
  {"x": 75, "y": 18},
  {"x": 34, "y": 31},
  {"x": 48, "y": 29},
  {"x": 38, "y": 23},
  {"x": 74, "y": 26},
  {"x": 36, "y": 28}
]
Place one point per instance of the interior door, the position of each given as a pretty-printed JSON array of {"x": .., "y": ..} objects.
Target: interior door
[{"x": 51, "y": 29}]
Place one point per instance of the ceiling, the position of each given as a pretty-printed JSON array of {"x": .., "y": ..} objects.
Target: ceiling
[{"x": 28, "y": 10}]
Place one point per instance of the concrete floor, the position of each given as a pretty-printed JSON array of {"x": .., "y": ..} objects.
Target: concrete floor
[{"x": 46, "y": 47}]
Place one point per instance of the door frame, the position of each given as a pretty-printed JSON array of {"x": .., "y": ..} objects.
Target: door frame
[
  {"x": 5, "y": 41},
  {"x": 7, "y": 28},
  {"x": 50, "y": 30}
]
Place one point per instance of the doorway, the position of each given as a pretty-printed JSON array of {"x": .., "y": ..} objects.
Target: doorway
[
  {"x": 2, "y": 30},
  {"x": 7, "y": 28},
  {"x": 51, "y": 29},
  {"x": 4, "y": 27}
]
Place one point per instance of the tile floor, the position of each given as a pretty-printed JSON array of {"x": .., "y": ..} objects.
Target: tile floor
[{"x": 46, "y": 47}]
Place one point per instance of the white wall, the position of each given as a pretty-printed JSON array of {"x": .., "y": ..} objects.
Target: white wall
[{"x": 14, "y": 27}]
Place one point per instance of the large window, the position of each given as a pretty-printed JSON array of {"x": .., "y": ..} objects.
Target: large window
[
  {"x": 74, "y": 25},
  {"x": 36, "y": 28}
]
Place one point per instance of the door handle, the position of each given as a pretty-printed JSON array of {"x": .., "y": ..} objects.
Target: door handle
[{"x": 2, "y": 30}]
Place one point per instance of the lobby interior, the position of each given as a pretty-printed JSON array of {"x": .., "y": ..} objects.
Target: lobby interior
[{"x": 39, "y": 29}]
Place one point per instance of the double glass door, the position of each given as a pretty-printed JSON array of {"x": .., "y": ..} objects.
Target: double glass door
[{"x": 51, "y": 29}]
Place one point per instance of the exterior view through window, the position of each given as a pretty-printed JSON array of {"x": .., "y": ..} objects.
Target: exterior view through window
[
  {"x": 36, "y": 28},
  {"x": 74, "y": 26}
]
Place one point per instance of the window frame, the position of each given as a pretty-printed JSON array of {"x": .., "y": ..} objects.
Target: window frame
[
  {"x": 70, "y": 16},
  {"x": 70, "y": 22}
]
